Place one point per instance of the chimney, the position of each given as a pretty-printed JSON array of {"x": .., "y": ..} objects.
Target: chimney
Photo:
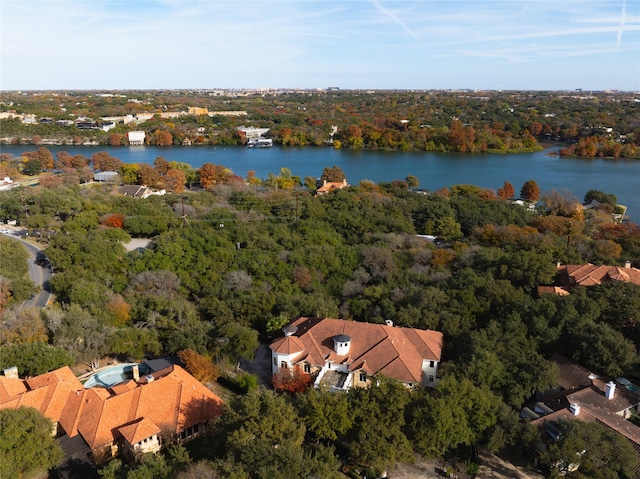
[
  {"x": 558, "y": 264},
  {"x": 627, "y": 264},
  {"x": 610, "y": 390},
  {"x": 11, "y": 372},
  {"x": 135, "y": 370},
  {"x": 149, "y": 378},
  {"x": 289, "y": 330},
  {"x": 575, "y": 409}
]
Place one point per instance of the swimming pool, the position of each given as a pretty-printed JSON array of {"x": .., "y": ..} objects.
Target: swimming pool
[{"x": 114, "y": 375}]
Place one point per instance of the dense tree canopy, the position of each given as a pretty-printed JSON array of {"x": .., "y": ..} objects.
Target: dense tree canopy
[
  {"x": 226, "y": 268},
  {"x": 26, "y": 444}
]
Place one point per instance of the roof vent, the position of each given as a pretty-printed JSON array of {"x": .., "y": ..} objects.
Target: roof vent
[
  {"x": 149, "y": 378},
  {"x": 342, "y": 344},
  {"x": 627, "y": 264},
  {"x": 610, "y": 390},
  {"x": 575, "y": 409},
  {"x": 388, "y": 322}
]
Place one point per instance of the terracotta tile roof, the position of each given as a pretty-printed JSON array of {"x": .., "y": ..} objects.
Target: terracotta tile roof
[
  {"x": 376, "y": 348},
  {"x": 139, "y": 430},
  {"x": 174, "y": 401},
  {"x": 287, "y": 345},
  {"x": 593, "y": 275},
  {"x": 10, "y": 387},
  {"x": 48, "y": 393},
  {"x": 557, "y": 290},
  {"x": 328, "y": 186}
]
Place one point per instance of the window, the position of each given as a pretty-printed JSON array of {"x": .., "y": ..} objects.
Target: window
[
  {"x": 431, "y": 378},
  {"x": 307, "y": 368},
  {"x": 190, "y": 431},
  {"x": 275, "y": 361},
  {"x": 363, "y": 377},
  {"x": 432, "y": 364},
  {"x": 283, "y": 364}
]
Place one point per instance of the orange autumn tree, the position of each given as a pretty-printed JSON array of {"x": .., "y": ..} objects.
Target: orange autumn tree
[
  {"x": 174, "y": 180},
  {"x": 294, "y": 380},
  {"x": 114, "y": 220},
  {"x": 507, "y": 191},
  {"x": 199, "y": 366},
  {"x": 530, "y": 191},
  {"x": 119, "y": 308},
  {"x": 163, "y": 138},
  {"x": 211, "y": 175}
]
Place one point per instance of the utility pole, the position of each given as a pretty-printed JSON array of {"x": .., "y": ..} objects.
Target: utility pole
[{"x": 185, "y": 221}]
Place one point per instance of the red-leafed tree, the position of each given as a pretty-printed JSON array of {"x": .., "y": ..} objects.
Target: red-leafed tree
[
  {"x": 530, "y": 191},
  {"x": 507, "y": 191},
  {"x": 211, "y": 175},
  {"x": 115, "y": 139},
  {"x": 114, "y": 220},
  {"x": 292, "y": 380},
  {"x": 105, "y": 162},
  {"x": 163, "y": 138}
]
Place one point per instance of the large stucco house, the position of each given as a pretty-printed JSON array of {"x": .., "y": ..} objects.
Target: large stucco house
[
  {"x": 343, "y": 354},
  {"x": 133, "y": 417}
]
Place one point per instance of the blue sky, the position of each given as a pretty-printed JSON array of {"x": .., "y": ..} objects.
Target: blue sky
[{"x": 499, "y": 44}]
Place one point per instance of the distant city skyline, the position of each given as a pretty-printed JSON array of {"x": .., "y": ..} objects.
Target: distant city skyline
[{"x": 352, "y": 44}]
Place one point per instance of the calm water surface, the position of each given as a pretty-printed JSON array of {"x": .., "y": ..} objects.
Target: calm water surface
[{"x": 434, "y": 170}]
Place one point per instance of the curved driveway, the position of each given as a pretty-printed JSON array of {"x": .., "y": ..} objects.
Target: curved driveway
[{"x": 40, "y": 275}]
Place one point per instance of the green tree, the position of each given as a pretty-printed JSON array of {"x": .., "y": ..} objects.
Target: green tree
[
  {"x": 325, "y": 414},
  {"x": 458, "y": 415},
  {"x": 412, "y": 181},
  {"x": 377, "y": 437},
  {"x": 129, "y": 173},
  {"x": 601, "y": 197},
  {"x": 26, "y": 444},
  {"x": 600, "y": 452},
  {"x": 33, "y": 359},
  {"x": 333, "y": 174},
  {"x": 447, "y": 228}
]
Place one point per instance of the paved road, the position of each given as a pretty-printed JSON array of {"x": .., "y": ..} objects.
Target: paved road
[{"x": 40, "y": 275}]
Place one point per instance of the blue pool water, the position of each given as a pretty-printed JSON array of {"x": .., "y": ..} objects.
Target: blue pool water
[{"x": 114, "y": 375}]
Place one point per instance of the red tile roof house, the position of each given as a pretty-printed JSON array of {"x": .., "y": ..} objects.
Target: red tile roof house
[
  {"x": 343, "y": 354},
  {"x": 329, "y": 186},
  {"x": 593, "y": 275},
  {"x": 132, "y": 417},
  {"x": 572, "y": 275}
]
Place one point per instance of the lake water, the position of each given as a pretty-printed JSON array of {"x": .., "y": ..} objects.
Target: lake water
[{"x": 433, "y": 170}]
